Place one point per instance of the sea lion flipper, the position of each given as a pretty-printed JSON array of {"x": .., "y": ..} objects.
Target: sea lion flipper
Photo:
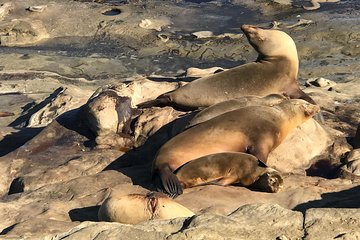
[
  {"x": 162, "y": 100},
  {"x": 170, "y": 184}
]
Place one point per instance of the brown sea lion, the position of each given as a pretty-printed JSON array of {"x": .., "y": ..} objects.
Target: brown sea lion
[
  {"x": 256, "y": 130},
  {"x": 136, "y": 208},
  {"x": 228, "y": 168},
  {"x": 233, "y": 104},
  {"x": 274, "y": 71}
]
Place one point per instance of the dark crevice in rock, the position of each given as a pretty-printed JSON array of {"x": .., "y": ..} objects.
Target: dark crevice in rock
[
  {"x": 8, "y": 229},
  {"x": 17, "y": 186}
]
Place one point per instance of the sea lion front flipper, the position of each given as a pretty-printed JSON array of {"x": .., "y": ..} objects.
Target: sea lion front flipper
[{"x": 170, "y": 184}]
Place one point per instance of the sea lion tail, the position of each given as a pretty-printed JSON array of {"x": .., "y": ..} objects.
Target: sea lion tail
[{"x": 161, "y": 101}]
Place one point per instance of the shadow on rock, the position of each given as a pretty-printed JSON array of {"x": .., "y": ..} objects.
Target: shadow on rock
[
  {"x": 16, "y": 139},
  {"x": 137, "y": 163},
  {"x": 84, "y": 214},
  {"x": 344, "y": 199}
]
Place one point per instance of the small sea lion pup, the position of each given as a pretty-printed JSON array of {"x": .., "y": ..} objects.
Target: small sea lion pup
[
  {"x": 256, "y": 130},
  {"x": 228, "y": 168},
  {"x": 233, "y": 104},
  {"x": 137, "y": 208},
  {"x": 274, "y": 71}
]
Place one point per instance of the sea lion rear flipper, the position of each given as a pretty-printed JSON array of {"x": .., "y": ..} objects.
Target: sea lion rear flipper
[
  {"x": 161, "y": 101},
  {"x": 169, "y": 183}
]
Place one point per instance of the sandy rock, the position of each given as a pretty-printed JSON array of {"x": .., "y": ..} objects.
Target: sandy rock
[
  {"x": 155, "y": 24},
  {"x": 109, "y": 117},
  {"x": 203, "y": 34},
  {"x": 291, "y": 156},
  {"x": 250, "y": 221},
  {"x": 22, "y": 32},
  {"x": 151, "y": 120},
  {"x": 56, "y": 154},
  {"x": 5, "y": 9},
  {"x": 73, "y": 200},
  {"x": 299, "y": 23},
  {"x": 91, "y": 230},
  {"x": 332, "y": 223},
  {"x": 316, "y": 4},
  {"x": 61, "y": 100},
  {"x": 39, "y": 8},
  {"x": 320, "y": 82}
]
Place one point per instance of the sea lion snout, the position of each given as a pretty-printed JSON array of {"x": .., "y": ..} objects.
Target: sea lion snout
[
  {"x": 311, "y": 110},
  {"x": 248, "y": 28}
]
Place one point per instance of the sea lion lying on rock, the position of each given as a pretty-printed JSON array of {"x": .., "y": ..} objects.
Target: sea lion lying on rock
[
  {"x": 274, "y": 71},
  {"x": 233, "y": 104},
  {"x": 256, "y": 130},
  {"x": 137, "y": 208},
  {"x": 228, "y": 168}
]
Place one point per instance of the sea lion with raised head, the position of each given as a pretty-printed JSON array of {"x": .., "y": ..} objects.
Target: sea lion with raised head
[
  {"x": 228, "y": 168},
  {"x": 233, "y": 104},
  {"x": 274, "y": 71},
  {"x": 137, "y": 208},
  {"x": 256, "y": 130}
]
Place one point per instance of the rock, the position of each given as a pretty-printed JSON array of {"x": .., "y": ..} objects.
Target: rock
[
  {"x": 209, "y": 34},
  {"x": 21, "y": 32},
  {"x": 56, "y": 154},
  {"x": 290, "y": 156},
  {"x": 39, "y": 8},
  {"x": 316, "y": 4},
  {"x": 151, "y": 120},
  {"x": 5, "y": 8},
  {"x": 258, "y": 221},
  {"x": 203, "y": 34},
  {"x": 332, "y": 223},
  {"x": 320, "y": 82},
  {"x": 155, "y": 24},
  {"x": 353, "y": 155},
  {"x": 251, "y": 221},
  {"x": 73, "y": 200},
  {"x": 91, "y": 230}
]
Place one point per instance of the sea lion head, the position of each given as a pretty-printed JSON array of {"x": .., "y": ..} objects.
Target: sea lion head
[
  {"x": 270, "y": 42},
  {"x": 298, "y": 109},
  {"x": 270, "y": 181},
  {"x": 304, "y": 108}
]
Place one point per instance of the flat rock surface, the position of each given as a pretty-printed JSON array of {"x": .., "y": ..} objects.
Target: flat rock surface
[{"x": 53, "y": 178}]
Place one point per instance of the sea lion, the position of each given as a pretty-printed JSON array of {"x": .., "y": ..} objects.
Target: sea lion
[
  {"x": 256, "y": 130},
  {"x": 274, "y": 71},
  {"x": 136, "y": 208},
  {"x": 233, "y": 104},
  {"x": 230, "y": 168}
]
